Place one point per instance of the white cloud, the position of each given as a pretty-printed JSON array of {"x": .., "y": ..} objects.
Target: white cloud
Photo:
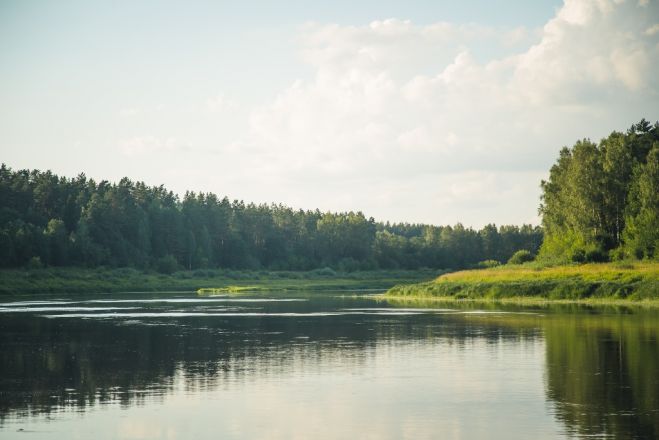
[
  {"x": 652, "y": 30},
  {"x": 392, "y": 103},
  {"x": 591, "y": 48}
]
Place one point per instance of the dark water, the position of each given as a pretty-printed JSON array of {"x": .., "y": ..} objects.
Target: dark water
[{"x": 177, "y": 366}]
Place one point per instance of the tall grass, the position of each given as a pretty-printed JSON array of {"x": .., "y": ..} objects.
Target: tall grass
[
  {"x": 629, "y": 281},
  {"x": 74, "y": 280}
]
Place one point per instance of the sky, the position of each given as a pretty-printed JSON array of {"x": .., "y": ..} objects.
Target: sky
[{"x": 419, "y": 111}]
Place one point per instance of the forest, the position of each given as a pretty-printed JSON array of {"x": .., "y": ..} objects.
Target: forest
[
  {"x": 48, "y": 220},
  {"x": 601, "y": 201}
]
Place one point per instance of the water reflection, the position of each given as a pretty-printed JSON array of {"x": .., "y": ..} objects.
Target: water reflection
[
  {"x": 405, "y": 371},
  {"x": 602, "y": 366},
  {"x": 603, "y": 374}
]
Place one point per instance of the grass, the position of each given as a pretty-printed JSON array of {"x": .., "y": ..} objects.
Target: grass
[
  {"x": 80, "y": 280},
  {"x": 228, "y": 289},
  {"x": 591, "y": 283},
  {"x": 522, "y": 301}
]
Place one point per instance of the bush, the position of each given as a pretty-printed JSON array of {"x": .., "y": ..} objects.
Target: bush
[
  {"x": 521, "y": 256},
  {"x": 183, "y": 275},
  {"x": 34, "y": 263},
  {"x": 167, "y": 264},
  {"x": 126, "y": 272},
  {"x": 348, "y": 265},
  {"x": 324, "y": 272},
  {"x": 617, "y": 254},
  {"x": 200, "y": 273},
  {"x": 589, "y": 254},
  {"x": 487, "y": 264},
  {"x": 578, "y": 256},
  {"x": 596, "y": 255}
]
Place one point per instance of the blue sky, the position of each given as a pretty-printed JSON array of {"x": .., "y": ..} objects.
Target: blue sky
[
  {"x": 120, "y": 45},
  {"x": 430, "y": 111}
]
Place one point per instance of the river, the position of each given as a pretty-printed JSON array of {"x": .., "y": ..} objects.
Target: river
[{"x": 323, "y": 366}]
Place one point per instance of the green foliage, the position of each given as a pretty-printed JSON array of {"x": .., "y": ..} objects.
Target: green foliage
[
  {"x": 642, "y": 232},
  {"x": 603, "y": 197},
  {"x": 167, "y": 264},
  {"x": 324, "y": 272},
  {"x": 229, "y": 289},
  {"x": 629, "y": 281},
  {"x": 488, "y": 264},
  {"x": 579, "y": 348},
  {"x": 80, "y": 222},
  {"x": 520, "y": 257},
  {"x": 34, "y": 263},
  {"x": 104, "y": 279}
]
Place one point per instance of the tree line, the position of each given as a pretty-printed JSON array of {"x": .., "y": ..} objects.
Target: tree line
[
  {"x": 50, "y": 220},
  {"x": 601, "y": 201}
]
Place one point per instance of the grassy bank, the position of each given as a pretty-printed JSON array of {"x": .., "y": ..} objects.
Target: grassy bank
[
  {"x": 77, "y": 280},
  {"x": 604, "y": 282}
]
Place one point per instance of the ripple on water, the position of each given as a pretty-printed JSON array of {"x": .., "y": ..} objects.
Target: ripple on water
[
  {"x": 60, "y": 309},
  {"x": 219, "y": 314},
  {"x": 195, "y": 300}
]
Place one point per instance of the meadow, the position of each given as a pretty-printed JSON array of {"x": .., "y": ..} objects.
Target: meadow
[
  {"x": 102, "y": 279},
  {"x": 595, "y": 282}
]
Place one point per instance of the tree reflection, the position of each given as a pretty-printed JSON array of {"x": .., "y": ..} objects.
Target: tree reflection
[
  {"x": 50, "y": 364},
  {"x": 603, "y": 374},
  {"x": 602, "y": 365}
]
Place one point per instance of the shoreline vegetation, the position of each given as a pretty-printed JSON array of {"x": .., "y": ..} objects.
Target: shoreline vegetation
[
  {"x": 599, "y": 239},
  {"x": 532, "y": 283},
  {"x": 107, "y": 280},
  {"x": 600, "y": 220},
  {"x": 48, "y": 220}
]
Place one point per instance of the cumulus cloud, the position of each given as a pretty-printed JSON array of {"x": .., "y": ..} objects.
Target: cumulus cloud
[
  {"x": 652, "y": 30},
  {"x": 426, "y": 108},
  {"x": 590, "y": 49}
]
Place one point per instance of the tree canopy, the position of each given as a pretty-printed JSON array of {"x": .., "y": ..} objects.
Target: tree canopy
[
  {"x": 57, "y": 221},
  {"x": 601, "y": 201}
]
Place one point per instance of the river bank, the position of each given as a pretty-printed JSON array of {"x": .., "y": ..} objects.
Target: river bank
[
  {"x": 595, "y": 283},
  {"x": 81, "y": 280}
]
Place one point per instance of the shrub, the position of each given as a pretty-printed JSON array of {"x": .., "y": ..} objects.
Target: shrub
[
  {"x": 183, "y": 275},
  {"x": 588, "y": 253},
  {"x": 617, "y": 254},
  {"x": 521, "y": 256},
  {"x": 125, "y": 272},
  {"x": 596, "y": 255},
  {"x": 324, "y": 272},
  {"x": 348, "y": 265},
  {"x": 487, "y": 264},
  {"x": 578, "y": 256},
  {"x": 34, "y": 263},
  {"x": 167, "y": 264},
  {"x": 200, "y": 273}
]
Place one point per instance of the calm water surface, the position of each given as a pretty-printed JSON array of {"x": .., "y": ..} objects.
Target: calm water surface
[{"x": 323, "y": 366}]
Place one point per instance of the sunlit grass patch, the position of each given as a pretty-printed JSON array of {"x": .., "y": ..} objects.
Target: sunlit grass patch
[
  {"x": 592, "y": 272},
  {"x": 228, "y": 289},
  {"x": 627, "y": 281},
  {"x": 103, "y": 279}
]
